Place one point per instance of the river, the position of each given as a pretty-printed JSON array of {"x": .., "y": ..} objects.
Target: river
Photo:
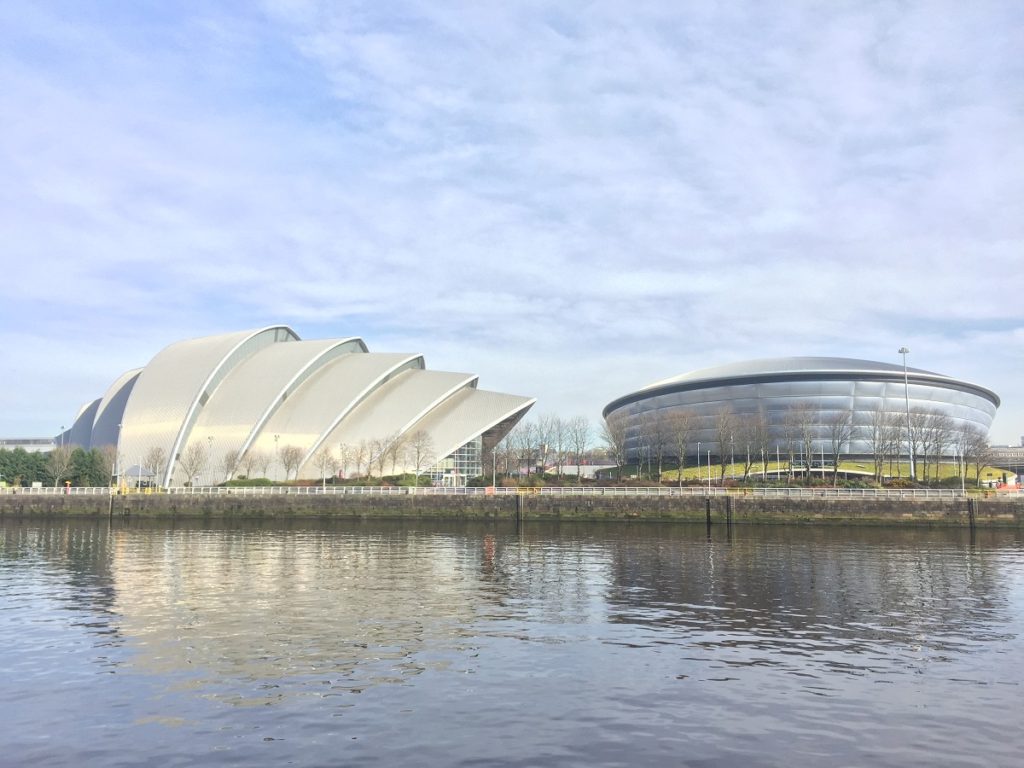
[{"x": 440, "y": 644}]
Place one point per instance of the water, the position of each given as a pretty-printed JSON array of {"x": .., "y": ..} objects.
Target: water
[{"x": 435, "y": 644}]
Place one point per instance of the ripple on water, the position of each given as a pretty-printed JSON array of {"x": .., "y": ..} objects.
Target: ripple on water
[{"x": 434, "y": 644}]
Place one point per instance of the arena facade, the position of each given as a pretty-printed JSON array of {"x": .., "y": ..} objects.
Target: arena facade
[
  {"x": 767, "y": 402},
  {"x": 266, "y": 403}
]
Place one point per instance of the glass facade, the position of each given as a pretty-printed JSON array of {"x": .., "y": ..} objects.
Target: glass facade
[{"x": 457, "y": 468}]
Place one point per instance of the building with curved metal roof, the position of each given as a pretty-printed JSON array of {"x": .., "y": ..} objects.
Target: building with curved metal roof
[
  {"x": 203, "y": 409},
  {"x": 824, "y": 391}
]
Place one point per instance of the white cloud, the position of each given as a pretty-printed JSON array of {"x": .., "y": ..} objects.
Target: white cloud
[{"x": 613, "y": 197}]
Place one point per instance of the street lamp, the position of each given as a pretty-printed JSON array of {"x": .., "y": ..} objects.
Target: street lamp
[
  {"x": 906, "y": 395},
  {"x": 276, "y": 455}
]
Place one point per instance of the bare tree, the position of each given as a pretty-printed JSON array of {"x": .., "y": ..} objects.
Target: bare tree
[
  {"x": 58, "y": 463},
  {"x": 579, "y": 440},
  {"x": 360, "y": 456},
  {"x": 376, "y": 456},
  {"x": 524, "y": 438},
  {"x": 395, "y": 450},
  {"x": 613, "y": 432},
  {"x": 229, "y": 463},
  {"x": 193, "y": 461},
  {"x": 725, "y": 430},
  {"x": 680, "y": 428},
  {"x": 659, "y": 440},
  {"x": 761, "y": 438},
  {"x": 344, "y": 458},
  {"x": 291, "y": 456},
  {"x": 800, "y": 420},
  {"x": 975, "y": 449},
  {"x": 839, "y": 426},
  {"x": 935, "y": 431},
  {"x": 261, "y": 460},
  {"x": 420, "y": 447},
  {"x": 559, "y": 442},
  {"x": 108, "y": 461},
  {"x": 877, "y": 439},
  {"x": 918, "y": 428},
  {"x": 155, "y": 460},
  {"x": 545, "y": 439},
  {"x": 326, "y": 462},
  {"x": 940, "y": 434}
]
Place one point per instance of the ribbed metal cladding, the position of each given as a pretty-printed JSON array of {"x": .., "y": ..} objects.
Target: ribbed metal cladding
[
  {"x": 825, "y": 386},
  {"x": 172, "y": 387}
]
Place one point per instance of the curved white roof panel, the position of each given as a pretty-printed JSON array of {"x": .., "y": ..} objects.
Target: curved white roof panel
[
  {"x": 327, "y": 397},
  {"x": 468, "y": 413},
  {"x": 80, "y": 433},
  {"x": 177, "y": 383},
  {"x": 394, "y": 407},
  {"x": 110, "y": 413},
  {"x": 257, "y": 387}
]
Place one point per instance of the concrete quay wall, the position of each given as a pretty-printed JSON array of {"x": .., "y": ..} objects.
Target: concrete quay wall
[{"x": 740, "y": 509}]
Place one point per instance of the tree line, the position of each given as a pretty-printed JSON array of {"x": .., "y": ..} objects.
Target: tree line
[
  {"x": 63, "y": 464},
  {"x": 804, "y": 433}
]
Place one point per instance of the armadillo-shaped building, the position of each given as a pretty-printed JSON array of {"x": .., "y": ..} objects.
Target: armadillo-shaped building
[{"x": 206, "y": 407}]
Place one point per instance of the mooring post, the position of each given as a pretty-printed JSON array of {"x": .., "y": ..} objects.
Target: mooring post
[
  {"x": 707, "y": 510},
  {"x": 970, "y": 512},
  {"x": 728, "y": 510},
  {"x": 519, "y": 508}
]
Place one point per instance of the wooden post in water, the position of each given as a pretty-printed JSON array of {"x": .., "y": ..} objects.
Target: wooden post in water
[
  {"x": 519, "y": 508},
  {"x": 970, "y": 512},
  {"x": 728, "y": 511},
  {"x": 707, "y": 510}
]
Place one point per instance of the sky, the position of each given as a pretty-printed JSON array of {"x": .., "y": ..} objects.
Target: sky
[{"x": 571, "y": 199}]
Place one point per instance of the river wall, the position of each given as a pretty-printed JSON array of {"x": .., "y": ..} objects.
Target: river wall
[{"x": 719, "y": 509}]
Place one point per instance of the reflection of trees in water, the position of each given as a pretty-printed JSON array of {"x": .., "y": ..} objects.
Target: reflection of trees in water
[
  {"x": 253, "y": 613},
  {"x": 811, "y": 588},
  {"x": 75, "y": 561}
]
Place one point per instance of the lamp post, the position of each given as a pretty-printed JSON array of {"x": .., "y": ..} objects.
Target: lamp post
[
  {"x": 700, "y": 471},
  {"x": 709, "y": 471},
  {"x": 62, "y": 436},
  {"x": 209, "y": 457},
  {"x": 117, "y": 458},
  {"x": 906, "y": 396},
  {"x": 276, "y": 454}
]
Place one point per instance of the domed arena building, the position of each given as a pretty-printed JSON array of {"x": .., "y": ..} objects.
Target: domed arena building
[
  {"x": 761, "y": 405},
  {"x": 265, "y": 403}
]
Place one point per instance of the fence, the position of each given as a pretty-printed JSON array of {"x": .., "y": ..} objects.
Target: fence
[{"x": 794, "y": 493}]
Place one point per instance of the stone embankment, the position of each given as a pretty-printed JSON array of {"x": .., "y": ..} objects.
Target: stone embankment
[{"x": 717, "y": 509}]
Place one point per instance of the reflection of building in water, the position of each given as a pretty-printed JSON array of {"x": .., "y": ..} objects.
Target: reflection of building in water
[
  {"x": 251, "y": 605},
  {"x": 885, "y": 581}
]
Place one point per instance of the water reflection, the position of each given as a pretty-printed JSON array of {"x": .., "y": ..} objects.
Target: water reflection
[{"x": 317, "y": 619}]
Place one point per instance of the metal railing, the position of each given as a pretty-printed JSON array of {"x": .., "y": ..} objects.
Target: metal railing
[{"x": 589, "y": 491}]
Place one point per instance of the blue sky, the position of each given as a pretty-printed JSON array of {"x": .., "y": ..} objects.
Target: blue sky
[{"x": 571, "y": 199}]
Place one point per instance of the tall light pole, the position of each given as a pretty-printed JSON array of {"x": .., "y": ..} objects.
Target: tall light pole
[{"x": 906, "y": 396}]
